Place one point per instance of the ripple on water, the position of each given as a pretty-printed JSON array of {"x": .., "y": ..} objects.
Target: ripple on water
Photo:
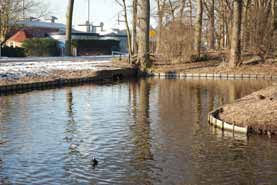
[{"x": 141, "y": 132}]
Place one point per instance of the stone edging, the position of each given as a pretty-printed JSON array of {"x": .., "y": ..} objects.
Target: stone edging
[
  {"x": 213, "y": 76},
  {"x": 213, "y": 120}
]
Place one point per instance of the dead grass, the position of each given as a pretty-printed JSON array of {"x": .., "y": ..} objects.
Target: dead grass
[
  {"x": 216, "y": 64},
  {"x": 216, "y": 67},
  {"x": 258, "y": 111},
  {"x": 186, "y": 67}
]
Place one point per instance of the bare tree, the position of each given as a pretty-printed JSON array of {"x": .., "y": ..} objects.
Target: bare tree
[
  {"x": 273, "y": 15},
  {"x": 235, "y": 53},
  {"x": 251, "y": 30},
  {"x": 134, "y": 29},
  {"x": 182, "y": 6},
  {"x": 198, "y": 28},
  {"x": 69, "y": 15},
  {"x": 143, "y": 34},
  {"x": 173, "y": 6},
  {"x": 161, "y": 11},
  {"x": 122, "y": 3},
  {"x": 210, "y": 6}
]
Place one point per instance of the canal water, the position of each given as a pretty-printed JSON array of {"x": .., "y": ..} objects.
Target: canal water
[{"x": 142, "y": 132}]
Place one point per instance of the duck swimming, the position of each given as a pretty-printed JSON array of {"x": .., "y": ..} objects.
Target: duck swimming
[{"x": 94, "y": 162}]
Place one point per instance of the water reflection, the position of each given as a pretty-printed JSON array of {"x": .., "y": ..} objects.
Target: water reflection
[{"x": 142, "y": 132}]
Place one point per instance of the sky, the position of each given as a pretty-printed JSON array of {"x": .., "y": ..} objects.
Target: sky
[{"x": 105, "y": 11}]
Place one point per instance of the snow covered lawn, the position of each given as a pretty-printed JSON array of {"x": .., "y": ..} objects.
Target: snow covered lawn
[{"x": 34, "y": 67}]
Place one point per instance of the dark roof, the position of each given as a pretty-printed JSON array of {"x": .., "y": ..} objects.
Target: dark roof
[{"x": 27, "y": 33}]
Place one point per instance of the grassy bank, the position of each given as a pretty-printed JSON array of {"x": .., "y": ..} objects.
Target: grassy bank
[
  {"x": 217, "y": 63},
  {"x": 258, "y": 111}
]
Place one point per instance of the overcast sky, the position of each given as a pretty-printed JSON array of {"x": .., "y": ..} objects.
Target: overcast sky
[{"x": 101, "y": 11}]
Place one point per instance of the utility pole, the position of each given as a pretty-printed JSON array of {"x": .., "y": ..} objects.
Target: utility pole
[
  {"x": 23, "y": 9},
  {"x": 118, "y": 18},
  {"x": 87, "y": 24},
  {"x": 88, "y": 11}
]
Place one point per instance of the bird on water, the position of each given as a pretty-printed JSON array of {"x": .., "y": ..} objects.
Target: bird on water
[{"x": 94, "y": 162}]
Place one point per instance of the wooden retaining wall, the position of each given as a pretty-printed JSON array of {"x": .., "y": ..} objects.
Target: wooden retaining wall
[
  {"x": 214, "y": 76},
  {"x": 99, "y": 76},
  {"x": 213, "y": 120}
]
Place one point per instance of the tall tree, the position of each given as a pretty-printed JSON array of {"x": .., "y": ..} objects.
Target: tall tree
[
  {"x": 245, "y": 25},
  {"x": 273, "y": 24},
  {"x": 69, "y": 15},
  {"x": 198, "y": 28},
  {"x": 273, "y": 14},
  {"x": 122, "y": 3},
  {"x": 161, "y": 11},
  {"x": 210, "y": 6},
  {"x": 235, "y": 53},
  {"x": 143, "y": 34},
  {"x": 134, "y": 29},
  {"x": 182, "y": 5}
]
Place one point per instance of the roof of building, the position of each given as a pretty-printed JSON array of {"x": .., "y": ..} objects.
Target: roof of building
[
  {"x": 113, "y": 32},
  {"x": 42, "y": 24},
  {"x": 31, "y": 32},
  {"x": 19, "y": 36}
]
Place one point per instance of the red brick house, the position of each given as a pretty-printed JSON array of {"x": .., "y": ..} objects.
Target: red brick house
[{"x": 21, "y": 35}]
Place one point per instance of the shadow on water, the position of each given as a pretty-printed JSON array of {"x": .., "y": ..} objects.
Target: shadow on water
[{"x": 146, "y": 131}]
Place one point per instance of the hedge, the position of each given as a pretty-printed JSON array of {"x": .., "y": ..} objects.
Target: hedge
[
  {"x": 41, "y": 47},
  {"x": 13, "y": 52}
]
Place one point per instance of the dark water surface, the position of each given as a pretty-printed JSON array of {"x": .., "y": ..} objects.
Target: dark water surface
[{"x": 142, "y": 132}]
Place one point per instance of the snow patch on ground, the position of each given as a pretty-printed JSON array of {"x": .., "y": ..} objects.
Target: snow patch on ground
[{"x": 31, "y": 67}]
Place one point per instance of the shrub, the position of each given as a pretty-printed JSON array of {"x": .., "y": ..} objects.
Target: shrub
[
  {"x": 40, "y": 47},
  {"x": 13, "y": 52},
  {"x": 177, "y": 42}
]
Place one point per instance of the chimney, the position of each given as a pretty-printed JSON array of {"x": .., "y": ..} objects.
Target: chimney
[
  {"x": 52, "y": 19},
  {"x": 102, "y": 26}
]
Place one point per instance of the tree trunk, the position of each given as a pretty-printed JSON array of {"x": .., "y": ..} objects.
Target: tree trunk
[
  {"x": 245, "y": 27},
  {"x": 160, "y": 22},
  {"x": 274, "y": 26},
  {"x": 211, "y": 26},
  {"x": 159, "y": 35},
  {"x": 198, "y": 27},
  {"x": 221, "y": 23},
  {"x": 129, "y": 38},
  {"x": 275, "y": 14},
  {"x": 0, "y": 49},
  {"x": 143, "y": 34},
  {"x": 69, "y": 15},
  {"x": 172, "y": 10},
  {"x": 134, "y": 30},
  {"x": 182, "y": 4},
  {"x": 235, "y": 53}
]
